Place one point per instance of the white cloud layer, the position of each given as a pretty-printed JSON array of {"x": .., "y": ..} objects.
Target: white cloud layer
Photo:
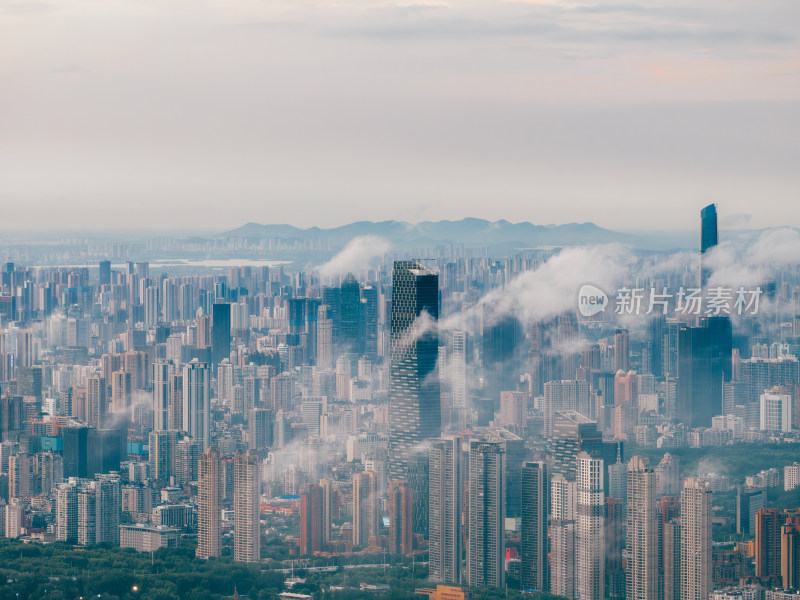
[{"x": 358, "y": 254}]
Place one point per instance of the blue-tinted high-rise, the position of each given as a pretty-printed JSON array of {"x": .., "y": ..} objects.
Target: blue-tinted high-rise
[{"x": 414, "y": 399}]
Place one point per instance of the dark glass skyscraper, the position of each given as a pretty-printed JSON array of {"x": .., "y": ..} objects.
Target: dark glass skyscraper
[
  {"x": 704, "y": 362},
  {"x": 535, "y": 511},
  {"x": 105, "y": 272},
  {"x": 500, "y": 341},
  {"x": 297, "y": 315},
  {"x": 708, "y": 228},
  {"x": 369, "y": 295},
  {"x": 351, "y": 323},
  {"x": 414, "y": 400},
  {"x": 332, "y": 298},
  {"x": 708, "y": 237},
  {"x": 220, "y": 332}
]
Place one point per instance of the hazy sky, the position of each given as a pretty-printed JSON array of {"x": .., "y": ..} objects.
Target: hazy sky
[{"x": 210, "y": 113}]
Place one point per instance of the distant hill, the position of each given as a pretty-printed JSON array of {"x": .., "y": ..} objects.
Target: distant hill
[{"x": 472, "y": 232}]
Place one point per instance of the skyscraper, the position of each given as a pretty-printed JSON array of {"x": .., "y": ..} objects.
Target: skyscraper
[
  {"x": 708, "y": 238},
  {"x": 246, "y": 507},
  {"x": 708, "y": 228},
  {"x": 445, "y": 541},
  {"x": 565, "y": 396},
  {"x": 365, "y": 508},
  {"x": 220, "y": 332},
  {"x": 590, "y": 541},
  {"x": 162, "y": 455},
  {"x": 642, "y": 532},
  {"x": 98, "y": 511},
  {"x": 573, "y": 433},
  {"x": 418, "y": 475},
  {"x": 695, "y": 540},
  {"x": 326, "y": 512},
  {"x": 105, "y": 272},
  {"x": 768, "y": 545},
  {"x": 458, "y": 369},
  {"x": 162, "y": 371},
  {"x": 414, "y": 396},
  {"x": 350, "y": 315},
  {"x": 324, "y": 350},
  {"x": 704, "y": 362},
  {"x": 197, "y": 401},
  {"x": 501, "y": 338},
  {"x": 175, "y": 411},
  {"x": 260, "y": 423},
  {"x": 121, "y": 391},
  {"x": 621, "y": 350},
  {"x": 311, "y": 519},
  {"x": 790, "y": 551},
  {"x": 19, "y": 475},
  {"x": 486, "y": 548},
  {"x": 401, "y": 510},
  {"x": 614, "y": 547},
  {"x": 669, "y": 546},
  {"x": 209, "y": 499},
  {"x": 369, "y": 304},
  {"x": 535, "y": 512},
  {"x": 563, "y": 503},
  {"x": 96, "y": 401},
  {"x": 67, "y": 512}
]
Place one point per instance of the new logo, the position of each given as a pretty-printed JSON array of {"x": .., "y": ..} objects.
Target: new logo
[{"x": 591, "y": 300}]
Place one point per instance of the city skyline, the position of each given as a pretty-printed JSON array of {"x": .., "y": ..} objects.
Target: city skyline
[{"x": 357, "y": 300}]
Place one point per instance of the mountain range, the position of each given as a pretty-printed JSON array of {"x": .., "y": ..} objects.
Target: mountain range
[{"x": 470, "y": 231}]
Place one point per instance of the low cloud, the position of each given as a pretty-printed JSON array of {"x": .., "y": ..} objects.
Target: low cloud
[
  {"x": 751, "y": 261},
  {"x": 356, "y": 255}
]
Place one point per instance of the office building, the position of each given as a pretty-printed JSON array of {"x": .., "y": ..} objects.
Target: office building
[
  {"x": 260, "y": 426},
  {"x": 567, "y": 396},
  {"x": 748, "y": 503},
  {"x": 148, "y": 538},
  {"x": 414, "y": 395},
  {"x": 220, "y": 332},
  {"x": 534, "y": 523},
  {"x": 704, "y": 363},
  {"x": 572, "y": 434},
  {"x": 708, "y": 239}
]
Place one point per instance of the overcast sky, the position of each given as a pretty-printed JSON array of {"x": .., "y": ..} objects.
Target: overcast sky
[{"x": 211, "y": 113}]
